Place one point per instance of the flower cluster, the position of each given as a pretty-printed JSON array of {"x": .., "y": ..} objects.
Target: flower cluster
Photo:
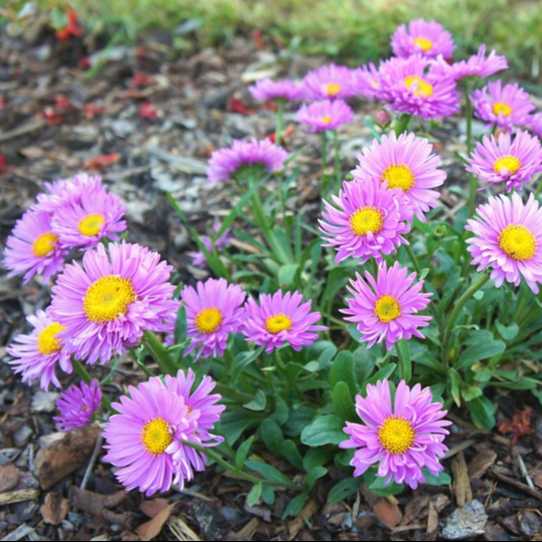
[{"x": 215, "y": 310}]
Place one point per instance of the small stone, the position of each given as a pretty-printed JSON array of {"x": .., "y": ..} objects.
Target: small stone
[
  {"x": 7, "y": 455},
  {"x": 9, "y": 477},
  {"x": 466, "y": 522},
  {"x": 44, "y": 401},
  {"x": 22, "y": 435}
]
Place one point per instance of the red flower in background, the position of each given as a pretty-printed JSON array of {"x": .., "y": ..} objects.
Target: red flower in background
[
  {"x": 147, "y": 111},
  {"x": 72, "y": 28},
  {"x": 3, "y": 164},
  {"x": 102, "y": 161},
  {"x": 235, "y": 105},
  {"x": 141, "y": 80}
]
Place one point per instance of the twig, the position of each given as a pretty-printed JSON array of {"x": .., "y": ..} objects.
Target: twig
[
  {"x": 518, "y": 485},
  {"x": 92, "y": 461},
  {"x": 19, "y": 495},
  {"x": 459, "y": 448},
  {"x": 23, "y": 130},
  {"x": 523, "y": 469}
]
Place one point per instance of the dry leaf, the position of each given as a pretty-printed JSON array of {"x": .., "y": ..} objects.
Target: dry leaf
[
  {"x": 54, "y": 508},
  {"x": 63, "y": 457},
  {"x": 152, "y": 507},
  {"x": 481, "y": 462},
  {"x": 432, "y": 518},
  {"x": 462, "y": 488},
  {"x": 296, "y": 524},
  {"x": 387, "y": 512},
  {"x": 150, "y": 529},
  {"x": 9, "y": 477}
]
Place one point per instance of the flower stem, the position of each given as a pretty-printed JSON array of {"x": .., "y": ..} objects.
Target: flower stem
[
  {"x": 217, "y": 458},
  {"x": 405, "y": 363},
  {"x": 279, "y": 122},
  {"x": 401, "y": 123},
  {"x": 474, "y": 287},
  {"x": 336, "y": 157},
  {"x": 473, "y": 183},
  {"x": 413, "y": 259},
  {"x": 82, "y": 373},
  {"x": 159, "y": 353}
]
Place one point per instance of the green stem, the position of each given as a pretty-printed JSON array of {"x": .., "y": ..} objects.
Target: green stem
[
  {"x": 336, "y": 157},
  {"x": 473, "y": 183},
  {"x": 401, "y": 123},
  {"x": 325, "y": 177},
  {"x": 81, "y": 371},
  {"x": 279, "y": 122},
  {"x": 159, "y": 353},
  {"x": 217, "y": 458},
  {"x": 230, "y": 393},
  {"x": 405, "y": 363},
  {"x": 474, "y": 287},
  {"x": 413, "y": 259}
]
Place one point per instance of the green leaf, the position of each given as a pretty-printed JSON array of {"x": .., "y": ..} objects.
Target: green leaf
[
  {"x": 342, "y": 369},
  {"x": 253, "y": 497},
  {"x": 268, "y": 495},
  {"x": 455, "y": 386},
  {"x": 342, "y": 401},
  {"x": 271, "y": 434},
  {"x": 508, "y": 333},
  {"x": 405, "y": 362},
  {"x": 482, "y": 345},
  {"x": 471, "y": 392},
  {"x": 258, "y": 403},
  {"x": 323, "y": 430},
  {"x": 294, "y": 507},
  {"x": 441, "y": 479},
  {"x": 286, "y": 275},
  {"x": 242, "y": 452},
  {"x": 343, "y": 489},
  {"x": 290, "y": 452},
  {"x": 267, "y": 471},
  {"x": 385, "y": 489},
  {"x": 317, "y": 456},
  {"x": 313, "y": 475},
  {"x": 482, "y": 413}
]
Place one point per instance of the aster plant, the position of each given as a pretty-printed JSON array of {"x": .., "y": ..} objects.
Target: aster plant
[{"x": 338, "y": 312}]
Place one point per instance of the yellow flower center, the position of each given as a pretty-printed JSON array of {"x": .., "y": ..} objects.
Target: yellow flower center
[
  {"x": 502, "y": 108},
  {"x": 518, "y": 242},
  {"x": 418, "y": 86},
  {"x": 91, "y": 225},
  {"x": 366, "y": 220},
  {"x": 107, "y": 298},
  {"x": 396, "y": 435},
  {"x": 332, "y": 89},
  {"x": 48, "y": 343},
  {"x": 423, "y": 43},
  {"x": 208, "y": 320},
  {"x": 399, "y": 177},
  {"x": 44, "y": 244},
  {"x": 277, "y": 323},
  {"x": 326, "y": 119},
  {"x": 387, "y": 308},
  {"x": 156, "y": 437},
  {"x": 507, "y": 165}
]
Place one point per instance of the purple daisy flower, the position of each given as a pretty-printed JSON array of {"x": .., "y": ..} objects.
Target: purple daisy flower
[
  {"x": 478, "y": 65},
  {"x": 403, "y": 436},
  {"x": 108, "y": 301},
  {"x": 329, "y": 82},
  {"x": 513, "y": 160},
  {"x": 504, "y": 105},
  {"x": 98, "y": 215},
  {"x": 366, "y": 220},
  {"x": 534, "y": 124},
  {"x": 427, "y": 38},
  {"x": 226, "y": 163},
  {"x": 38, "y": 354},
  {"x": 198, "y": 257},
  {"x": 144, "y": 441},
  {"x": 204, "y": 413},
  {"x": 67, "y": 191},
  {"x": 386, "y": 308},
  {"x": 366, "y": 81},
  {"x": 508, "y": 240},
  {"x": 77, "y": 405},
  {"x": 213, "y": 312},
  {"x": 407, "y": 163},
  {"x": 415, "y": 86},
  {"x": 284, "y": 89},
  {"x": 33, "y": 247},
  {"x": 325, "y": 115},
  {"x": 280, "y": 319}
]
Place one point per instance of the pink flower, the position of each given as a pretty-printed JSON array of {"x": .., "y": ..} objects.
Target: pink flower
[
  {"x": 325, "y": 115},
  {"x": 386, "y": 307},
  {"x": 403, "y": 436},
  {"x": 77, "y": 405},
  {"x": 329, "y": 82},
  {"x": 427, "y": 38}
]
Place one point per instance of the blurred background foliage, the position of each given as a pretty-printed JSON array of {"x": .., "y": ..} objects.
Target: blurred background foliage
[{"x": 349, "y": 30}]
